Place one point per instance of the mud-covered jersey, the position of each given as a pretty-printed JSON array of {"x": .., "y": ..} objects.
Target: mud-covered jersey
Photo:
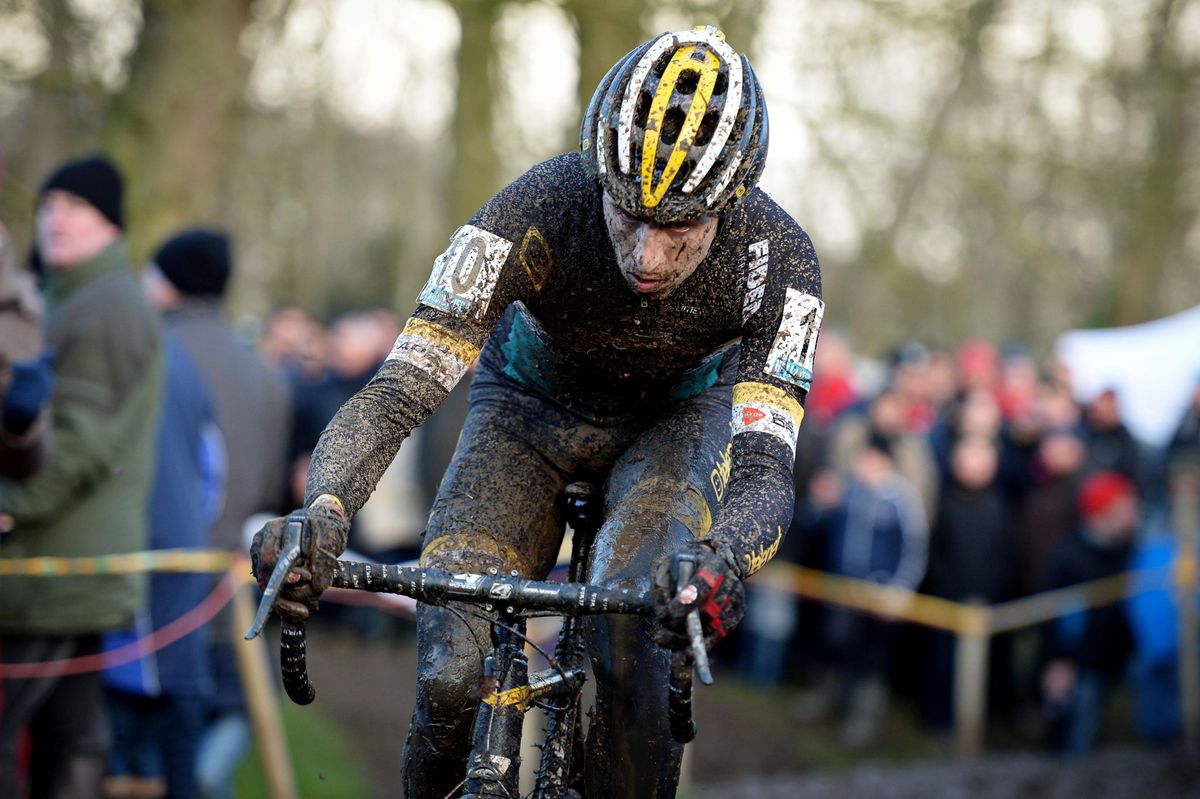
[{"x": 584, "y": 339}]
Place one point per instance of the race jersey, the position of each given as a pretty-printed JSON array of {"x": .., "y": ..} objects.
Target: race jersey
[{"x": 535, "y": 270}]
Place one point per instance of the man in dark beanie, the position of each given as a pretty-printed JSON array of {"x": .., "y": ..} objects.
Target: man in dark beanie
[
  {"x": 196, "y": 262},
  {"x": 91, "y": 498},
  {"x": 186, "y": 281}
]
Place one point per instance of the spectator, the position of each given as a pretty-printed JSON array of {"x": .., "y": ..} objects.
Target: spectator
[
  {"x": 1047, "y": 515},
  {"x": 1086, "y": 653},
  {"x": 911, "y": 380},
  {"x": 879, "y": 533},
  {"x": 354, "y": 357},
  {"x": 1152, "y": 611},
  {"x": 91, "y": 498},
  {"x": 293, "y": 344},
  {"x": 25, "y": 375},
  {"x": 977, "y": 367},
  {"x": 972, "y": 559},
  {"x": 158, "y": 703},
  {"x": 885, "y": 418},
  {"x": 1111, "y": 446},
  {"x": 187, "y": 281}
]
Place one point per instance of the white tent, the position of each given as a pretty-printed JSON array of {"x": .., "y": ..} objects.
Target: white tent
[{"x": 1154, "y": 367}]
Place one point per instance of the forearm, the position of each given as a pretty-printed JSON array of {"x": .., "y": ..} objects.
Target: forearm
[
  {"x": 756, "y": 515},
  {"x": 361, "y": 441}
]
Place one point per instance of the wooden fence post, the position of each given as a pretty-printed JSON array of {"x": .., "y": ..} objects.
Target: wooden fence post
[
  {"x": 1187, "y": 537},
  {"x": 970, "y": 680},
  {"x": 262, "y": 701}
]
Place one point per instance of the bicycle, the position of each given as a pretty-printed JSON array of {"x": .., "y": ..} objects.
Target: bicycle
[{"x": 493, "y": 766}]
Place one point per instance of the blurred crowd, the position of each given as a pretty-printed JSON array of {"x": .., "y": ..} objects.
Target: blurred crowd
[
  {"x": 134, "y": 415},
  {"x": 975, "y": 475}
]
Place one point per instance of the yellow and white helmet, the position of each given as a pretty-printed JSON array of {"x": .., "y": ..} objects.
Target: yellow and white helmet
[{"x": 677, "y": 128}]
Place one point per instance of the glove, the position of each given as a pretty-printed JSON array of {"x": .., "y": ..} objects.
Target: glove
[
  {"x": 328, "y": 532},
  {"x": 713, "y": 589},
  {"x": 29, "y": 391}
]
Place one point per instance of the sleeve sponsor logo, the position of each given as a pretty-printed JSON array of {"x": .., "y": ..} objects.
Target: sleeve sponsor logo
[
  {"x": 756, "y": 560},
  {"x": 719, "y": 476},
  {"x": 795, "y": 346},
  {"x": 755, "y": 417},
  {"x": 756, "y": 279},
  {"x": 465, "y": 275}
]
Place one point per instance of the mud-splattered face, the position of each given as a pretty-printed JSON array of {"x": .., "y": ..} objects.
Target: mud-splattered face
[{"x": 656, "y": 259}]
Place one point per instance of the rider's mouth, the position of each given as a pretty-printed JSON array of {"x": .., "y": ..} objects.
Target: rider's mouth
[{"x": 644, "y": 284}]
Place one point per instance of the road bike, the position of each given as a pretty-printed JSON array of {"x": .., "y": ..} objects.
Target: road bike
[{"x": 507, "y": 601}]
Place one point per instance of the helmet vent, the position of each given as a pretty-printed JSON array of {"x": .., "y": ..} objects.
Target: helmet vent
[
  {"x": 688, "y": 80},
  {"x": 672, "y": 124},
  {"x": 722, "y": 83},
  {"x": 643, "y": 107},
  {"x": 708, "y": 126}
]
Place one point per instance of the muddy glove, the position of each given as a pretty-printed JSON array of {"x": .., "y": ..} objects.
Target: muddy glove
[
  {"x": 29, "y": 391},
  {"x": 326, "y": 532},
  {"x": 713, "y": 589}
]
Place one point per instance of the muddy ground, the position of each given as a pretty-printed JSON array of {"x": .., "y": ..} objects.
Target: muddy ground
[{"x": 750, "y": 747}]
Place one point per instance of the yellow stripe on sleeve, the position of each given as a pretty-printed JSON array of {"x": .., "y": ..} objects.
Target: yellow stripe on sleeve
[
  {"x": 435, "y": 334},
  {"x": 762, "y": 394}
]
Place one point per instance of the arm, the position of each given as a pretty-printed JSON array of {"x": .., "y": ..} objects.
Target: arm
[
  {"x": 472, "y": 282},
  {"x": 90, "y": 419},
  {"x": 775, "y": 372}
]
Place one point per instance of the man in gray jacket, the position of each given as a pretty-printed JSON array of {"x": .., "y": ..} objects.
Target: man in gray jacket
[
  {"x": 187, "y": 280},
  {"x": 91, "y": 499}
]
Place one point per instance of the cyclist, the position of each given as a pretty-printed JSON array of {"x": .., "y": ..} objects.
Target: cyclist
[{"x": 640, "y": 313}]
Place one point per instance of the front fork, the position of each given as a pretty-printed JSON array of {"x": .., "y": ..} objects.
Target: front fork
[{"x": 494, "y": 766}]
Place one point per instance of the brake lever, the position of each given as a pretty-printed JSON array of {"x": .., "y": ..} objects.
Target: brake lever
[
  {"x": 685, "y": 565},
  {"x": 293, "y": 547}
]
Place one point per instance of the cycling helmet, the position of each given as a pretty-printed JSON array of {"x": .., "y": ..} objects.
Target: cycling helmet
[{"x": 677, "y": 128}]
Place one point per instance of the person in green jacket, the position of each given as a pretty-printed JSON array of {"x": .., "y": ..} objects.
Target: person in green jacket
[{"x": 91, "y": 498}]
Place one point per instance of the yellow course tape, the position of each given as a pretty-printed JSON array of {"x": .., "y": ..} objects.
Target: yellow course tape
[
  {"x": 930, "y": 611},
  {"x": 163, "y": 560},
  {"x": 957, "y": 617}
]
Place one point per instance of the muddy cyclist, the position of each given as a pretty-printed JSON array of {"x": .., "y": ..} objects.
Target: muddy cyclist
[{"x": 641, "y": 315}]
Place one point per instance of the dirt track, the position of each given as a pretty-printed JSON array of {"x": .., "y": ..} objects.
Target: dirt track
[
  {"x": 748, "y": 748},
  {"x": 1111, "y": 774}
]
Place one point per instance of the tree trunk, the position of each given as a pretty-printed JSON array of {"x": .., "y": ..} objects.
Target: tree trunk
[
  {"x": 606, "y": 31},
  {"x": 476, "y": 169},
  {"x": 1158, "y": 216},
  {"x": 173, "y": 128},
  {"x": 62, "y": 122}
]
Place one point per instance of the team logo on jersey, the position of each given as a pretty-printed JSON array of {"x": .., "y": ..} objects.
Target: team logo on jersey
[
  {"x": 795, "y": 346},
  {"x": 756, "y": 279},
  {"x": 465, "y": 275},
  {"x": 536, "y": 257}
]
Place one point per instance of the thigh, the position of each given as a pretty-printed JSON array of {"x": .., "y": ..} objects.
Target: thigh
[
  {"x": 496, "y": 503},
  {"x": 74, "y": 717},
  {"x": 665, "y": 488},
  {"x": 22, "y": 699}
]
